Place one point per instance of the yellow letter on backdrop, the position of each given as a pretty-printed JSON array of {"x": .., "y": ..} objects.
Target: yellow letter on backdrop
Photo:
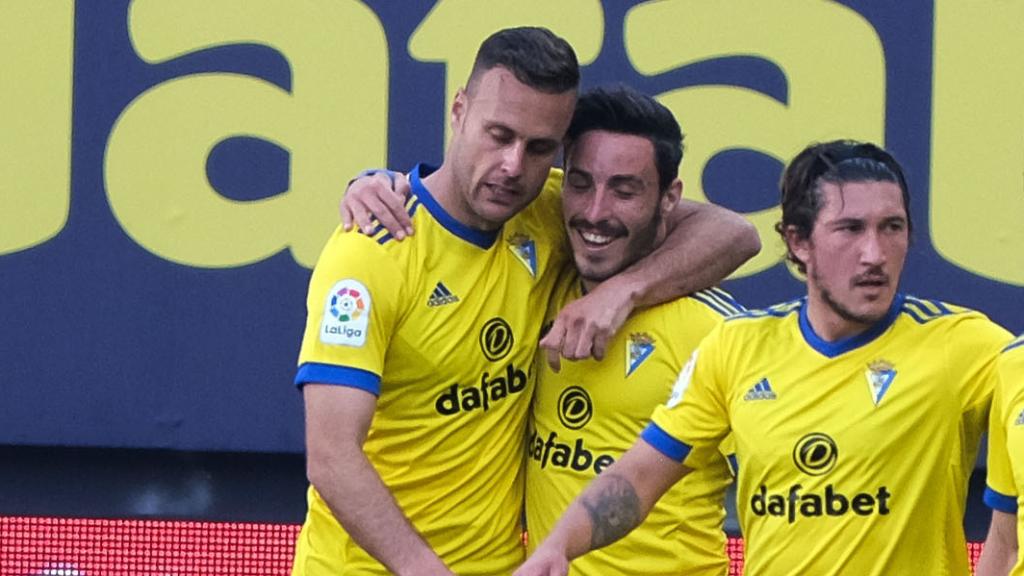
[
  {"x": 832, "y": 60},
  {"x": 977, "y": 176},
  {"x": 333, "y": 123},
  {"x": 454, "y": 29},
  {"x": 36, "y": 54}
]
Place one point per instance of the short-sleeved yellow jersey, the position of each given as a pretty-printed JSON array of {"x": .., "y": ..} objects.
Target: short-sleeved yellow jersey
[
  {"x": 1006, "y": 440},
  {"x": 589, "y": 413},
  {"x": 443, "y": 328},
  {"x": 854, "y": 455}
]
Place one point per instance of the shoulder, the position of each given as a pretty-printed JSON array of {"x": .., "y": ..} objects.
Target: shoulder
[
  {"x": 355, "y": 255},
  {"x": 1016, "y": 347},
  {"x": 957, "y": 321},
  {"x": 718, "y": 302},
  {"x": 962, "y": 335},
  {"x": 760, "y": 318}
]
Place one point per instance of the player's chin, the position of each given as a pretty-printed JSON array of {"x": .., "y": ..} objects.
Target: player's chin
[
  {"x": 594, "y": 271},
  {"x": 873, "y": 312},
  {"x": 500, "y": 212}
]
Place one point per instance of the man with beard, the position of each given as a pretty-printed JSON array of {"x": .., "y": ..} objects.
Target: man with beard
[
  {"x": 622, "y": 152},
  {"x": 856, "y": 411},
  {"x": 416, "y": 363}
]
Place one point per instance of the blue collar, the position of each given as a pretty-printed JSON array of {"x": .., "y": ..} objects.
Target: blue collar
[
  {"x": 482, "y": 238},
  {"x": 833, "y": 349}
]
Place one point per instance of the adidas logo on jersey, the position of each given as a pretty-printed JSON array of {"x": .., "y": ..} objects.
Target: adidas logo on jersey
[
  {"x": 441, "y": 296},
  {"x": 1020, "y": 419},
  {"x": 761, "y": 391}
]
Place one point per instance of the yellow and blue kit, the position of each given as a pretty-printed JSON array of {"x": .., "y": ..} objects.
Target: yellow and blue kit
[
  {"x": 1006, "y": 440},
  {"x": 443, "y": 328},
  {"x": 854, "y": 455},
  {"x": 589, "y": 413}
]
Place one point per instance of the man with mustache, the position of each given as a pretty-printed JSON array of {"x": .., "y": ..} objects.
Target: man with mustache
[
  {"x": 622, "y": 153},
  {"x": 856, "y": 411},
  {"x": 416, "y": 364}
]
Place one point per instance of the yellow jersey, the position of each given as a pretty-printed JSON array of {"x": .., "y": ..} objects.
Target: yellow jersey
[
  {"x": 443, "y": 328},
  {"x": 589, "y": 413},
  {"x": 855, "y": 455},
  {"x": 1006, "y": 440}
]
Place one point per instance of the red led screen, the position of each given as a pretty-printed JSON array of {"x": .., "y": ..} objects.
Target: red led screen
[{"x": 75, "y": 547}]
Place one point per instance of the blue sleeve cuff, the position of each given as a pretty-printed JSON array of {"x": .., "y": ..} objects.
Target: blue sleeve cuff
[
  {"x": 314, "y": 373},
  {"x": 664, "y": 443},
  {"x": 1001, "y": 502}
]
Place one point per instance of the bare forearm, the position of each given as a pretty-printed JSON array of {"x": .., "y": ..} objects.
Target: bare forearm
[
  {"x": 366, "y": 509},
  {"x": 616, "y": 502},
  {"x": 606, "y": 511},
  {"x": 1000, "y": 551},
  {"x": 701, "y": 249}
]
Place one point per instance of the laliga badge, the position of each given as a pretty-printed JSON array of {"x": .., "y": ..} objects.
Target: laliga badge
[{"x": 346, "y": 318}]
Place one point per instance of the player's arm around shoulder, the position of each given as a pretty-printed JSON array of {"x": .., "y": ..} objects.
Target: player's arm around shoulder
[{"x": 704, "y": 244}]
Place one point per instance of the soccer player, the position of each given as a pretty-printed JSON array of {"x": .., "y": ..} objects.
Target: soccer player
[
  {"x": 416, "y": 360},
  {"x": 1000, "y": 555},
  {"x": 623, "y": 151},
  {"x": 856, "y": 411}
]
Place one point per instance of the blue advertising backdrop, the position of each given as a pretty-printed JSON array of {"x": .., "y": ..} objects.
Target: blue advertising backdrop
[{"x": 208, "y": 146}]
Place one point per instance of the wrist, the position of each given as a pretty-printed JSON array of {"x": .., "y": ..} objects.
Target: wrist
[
  {"x": 391, "y": 174},
  {"x": 628, "y": 287},
  {"x": 422, "y": 563}
]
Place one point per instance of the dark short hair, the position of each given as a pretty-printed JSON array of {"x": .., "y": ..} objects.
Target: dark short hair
[
  {"x": 536, "y": 56},
  {"x": 836, "y": 162},
  {"x": 623, "y": 110}
]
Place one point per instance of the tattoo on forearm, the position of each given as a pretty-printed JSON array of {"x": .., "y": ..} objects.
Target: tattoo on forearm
[{"x": 614, "y": 511}]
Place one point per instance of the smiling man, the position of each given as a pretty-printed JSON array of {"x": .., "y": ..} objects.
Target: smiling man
[
  {"x": 856, "y": 411},
  {"x": 623, "y": 150},
  {"x": 417, "y": 360}
]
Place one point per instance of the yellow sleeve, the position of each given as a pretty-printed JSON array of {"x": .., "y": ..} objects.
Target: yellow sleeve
[
  {"x": 353, "y": 305},
  {"x": 977, "y": 342},
  {"x": 1000, "y": 493},
  {"x": 693, "y": 423},
  {"x": 1006, "y": 432}
]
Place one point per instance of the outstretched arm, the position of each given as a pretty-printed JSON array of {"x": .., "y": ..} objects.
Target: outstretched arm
[
  {"x": 615, "y": 503},
  {"x": 705, "y": 243},
  {"x": 337, "y": 420}
]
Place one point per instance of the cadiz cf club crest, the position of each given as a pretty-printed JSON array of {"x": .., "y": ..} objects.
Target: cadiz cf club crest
[
  {"x": 525, "y": 250},
  {"x": 638, "y": 348},
  {"x": 880, "y": 375}
]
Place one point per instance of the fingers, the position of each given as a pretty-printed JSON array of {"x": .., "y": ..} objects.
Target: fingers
[
  {"x": 552, "y": 345},
  {"x": 364, "y": 211},
  {"x": 346, "y": 216},
  {"x": 377, "y": 200},
  {"x": 403, "y": 189},
  {"x": 394, "y": 217},
  {"x": 577, "y": 342},
  {"x": 599, "y": 344}
]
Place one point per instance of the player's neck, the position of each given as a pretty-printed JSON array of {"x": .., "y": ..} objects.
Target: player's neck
[
  {"x": 828, "y": 324},
  {"x": 444, "y": 188}
]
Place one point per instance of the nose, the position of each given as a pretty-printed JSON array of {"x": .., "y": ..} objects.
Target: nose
[
  {"x": 598, "y": 207},
  {"x": 512, "y": 159},
  {"x": 872, "y": 251}
]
